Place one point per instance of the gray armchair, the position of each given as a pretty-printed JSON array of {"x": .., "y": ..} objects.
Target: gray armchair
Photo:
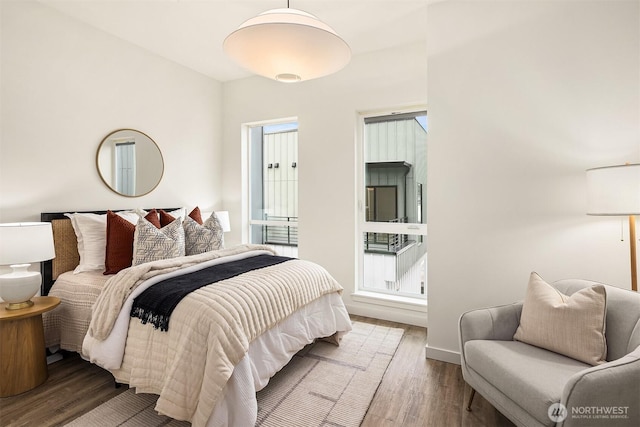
[{"x": 524, "y": 382}]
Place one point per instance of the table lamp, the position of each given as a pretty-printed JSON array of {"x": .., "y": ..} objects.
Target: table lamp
[
  {"x": 615, "y": 190},
  {"x": 223, "y": 219},
  {"x": 23, "y": 243}
]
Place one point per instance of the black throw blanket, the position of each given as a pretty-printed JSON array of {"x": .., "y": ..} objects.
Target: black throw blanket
[{"x": 156, "y": 303}]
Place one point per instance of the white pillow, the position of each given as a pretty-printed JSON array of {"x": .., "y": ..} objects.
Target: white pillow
[
  {"x": 131, "y": 216},
  {"x": 153, "y": 244},
  {"x": 179, "y": 213},
  {"x": 89, "y": 228},
  {"x": 91, "y": 234}
]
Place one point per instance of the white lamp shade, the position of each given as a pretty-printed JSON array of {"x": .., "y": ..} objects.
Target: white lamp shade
[
  {"x": 26, "y": 242},
  {"x": 614, "y": 190},
  {"x": 223, "y": 219},
  {"x": 287, "y": 45}
]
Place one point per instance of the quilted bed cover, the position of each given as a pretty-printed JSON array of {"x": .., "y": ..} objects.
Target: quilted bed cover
[{"x": 225, "y": 340}]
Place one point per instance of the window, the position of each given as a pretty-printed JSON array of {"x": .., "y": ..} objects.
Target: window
[
  {"x": 125, "y": 165},
  {"x": 273, "y": 186},
  {"x": 392, "y": 226}
]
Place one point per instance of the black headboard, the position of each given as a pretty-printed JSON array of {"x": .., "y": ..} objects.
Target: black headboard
[{"x": 46, "y": 267}]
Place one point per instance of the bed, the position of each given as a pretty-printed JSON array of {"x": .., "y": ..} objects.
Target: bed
[{"x": 205, "y": 353}]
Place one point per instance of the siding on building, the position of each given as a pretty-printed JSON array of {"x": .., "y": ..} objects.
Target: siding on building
[
  {"x": 280, "y": 176},
  {"x": 398, "y": 141}
]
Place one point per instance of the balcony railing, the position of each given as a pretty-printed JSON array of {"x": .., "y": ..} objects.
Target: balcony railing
[
  {"x": 280, "y": 234},
  {"x": 374, "y": 242},
  {"x": 386, "y": 242}
]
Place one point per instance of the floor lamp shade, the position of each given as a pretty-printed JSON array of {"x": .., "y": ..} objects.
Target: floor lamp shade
[
  {"x": 287, "y": 45},
  {"x": 615, "y": 190},
  {"x": 21, "y": 244}
]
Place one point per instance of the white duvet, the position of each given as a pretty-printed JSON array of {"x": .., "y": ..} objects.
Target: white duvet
[
  {"x": 270, "y": 352},
  {"x": 265, "y": 354}
]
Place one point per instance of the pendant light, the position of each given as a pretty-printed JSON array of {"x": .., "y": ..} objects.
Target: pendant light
[{"x": 287, "y": 45}]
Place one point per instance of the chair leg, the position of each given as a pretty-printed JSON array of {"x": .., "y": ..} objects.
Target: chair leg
[{"x": 471, "y": 396}]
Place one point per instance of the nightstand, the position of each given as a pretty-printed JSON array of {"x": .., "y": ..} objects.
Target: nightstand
[{"x": 23, "y": 361}]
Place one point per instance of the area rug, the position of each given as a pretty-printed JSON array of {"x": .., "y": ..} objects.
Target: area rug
[{"x": 323, "y": 384}]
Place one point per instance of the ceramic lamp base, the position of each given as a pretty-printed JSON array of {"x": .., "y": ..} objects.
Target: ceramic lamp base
[{"x": 18, "y": 287}]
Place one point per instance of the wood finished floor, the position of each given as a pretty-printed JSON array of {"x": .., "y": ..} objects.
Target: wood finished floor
[{"x": 414, "y": 392}]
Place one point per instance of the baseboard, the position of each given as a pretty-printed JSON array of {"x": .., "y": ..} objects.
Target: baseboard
[
  {"x": 407, "y": 317},
  {"x": 442, "y": 355}
]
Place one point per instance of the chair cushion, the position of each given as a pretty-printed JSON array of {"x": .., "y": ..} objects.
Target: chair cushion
[
  {"x": 531, "y": 376},
  {"x": 570, "y": 325}
]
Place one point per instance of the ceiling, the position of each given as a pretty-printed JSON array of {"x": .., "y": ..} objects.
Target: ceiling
[{"x": 191, "y": 32}]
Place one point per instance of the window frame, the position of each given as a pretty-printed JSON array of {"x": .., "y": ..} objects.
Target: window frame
[
  {"x": 361, "y": 292},
  {"x": 247, "y": 159}
]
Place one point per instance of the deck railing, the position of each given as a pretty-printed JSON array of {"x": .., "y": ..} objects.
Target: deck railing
[
  {"x": 280, "y": 234},
  {"x": 386, "y": 242},
  {"x": 373, "y": 242}
]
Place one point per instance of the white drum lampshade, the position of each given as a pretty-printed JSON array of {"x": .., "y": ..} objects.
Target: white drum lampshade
[
  {"x": 615, "y": 190},
  {"x": 287, "y": 45},
  {"x": 21, "y": 244}
]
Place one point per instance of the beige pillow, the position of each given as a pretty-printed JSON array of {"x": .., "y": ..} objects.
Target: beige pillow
[{"x": 570, "y": 325}]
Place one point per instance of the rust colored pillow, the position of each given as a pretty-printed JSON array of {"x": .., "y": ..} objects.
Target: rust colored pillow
[
  {"x": 119, "y": 251},
  {"x": 166, "y": 219}
]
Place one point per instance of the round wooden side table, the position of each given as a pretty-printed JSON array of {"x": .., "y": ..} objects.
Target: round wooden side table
[{"x": 23, "y": 359}]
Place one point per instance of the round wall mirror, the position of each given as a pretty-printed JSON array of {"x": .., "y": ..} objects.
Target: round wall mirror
[{"x": 130, "y": 162}]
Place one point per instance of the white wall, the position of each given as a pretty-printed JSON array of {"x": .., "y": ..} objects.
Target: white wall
[
  {"x": 65, "y": 86},
  {"x": 523, "y": 97},
  {"x": 327, "y": 115}
]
